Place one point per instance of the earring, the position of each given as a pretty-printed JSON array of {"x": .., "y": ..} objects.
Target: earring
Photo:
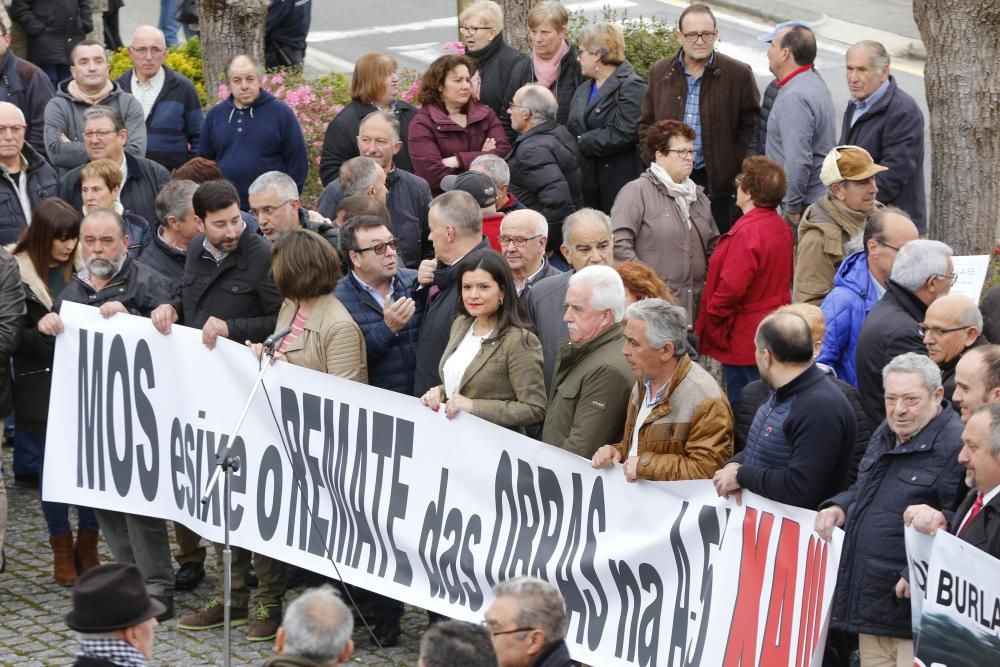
[{"x": 500, "y": 303}]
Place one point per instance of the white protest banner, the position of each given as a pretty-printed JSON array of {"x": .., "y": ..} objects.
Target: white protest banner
[
  {"x": 971, "y": 271},
  {"x": 918, "y": 556},
  {"x": 430, "y": 511},
  {"x": 960, "y": 615}
]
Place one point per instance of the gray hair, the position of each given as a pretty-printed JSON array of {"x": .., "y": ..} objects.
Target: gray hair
[
  {"x": 491, "y": 10},
  {"x": 318, "y": 625},
  {"x": 918, "y": 260},
  {"x": 540, "y": 102},
  {"x": 493, "y": 166},
  {"x": 280, "y": 182},
  {"x": 994, "y": 412},
  {"x": 174, "y": 199},
  {"x": 880, "y": 57},
  {"x": 607, "y": 291},
  {"x": 460, "y": 210},
  {"x": 110, "y": 213},
  {"x": 388, "y": 117},
  {"x": 101, "y": 111},
  {"x": 918, "y": 364},
  {"x": 584, "y": 214},
  {"x": 358, "y": 174},
  {"x": 538, "y": 221},
  {"x": 665, "y": 323},
  {"x": 539, "y": 605}
]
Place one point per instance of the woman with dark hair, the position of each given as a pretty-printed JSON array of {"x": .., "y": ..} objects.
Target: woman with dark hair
[
  {"x": 663, "y": 219},
  {"x": 100, "y": 187},
  {"x": 492, "y": 366},
  {"x": 374, "y": 87},
  {"x": 750, "y": 275},
  {"x": 46, "y": 257},
  {"x": 604, "y": 115},
  {"x": 452, "y": 128}
]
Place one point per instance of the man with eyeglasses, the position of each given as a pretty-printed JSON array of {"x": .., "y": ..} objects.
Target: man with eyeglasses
[
  {"x": 274, "y": 203},
  {"x": 717, "y": 96},
  {"x": 912, "y": 459},
  {"x": 169, "y": 100},
  {"x": 90, "y": 86},
  {"x": 408, "y": 196},
  {"x": 527, "y": 622},
  {"x": 25, "y": 177},
  {"x": 106, "y": 137},
  {"x": 922, "y": 273},
  {"x": 859, "y": 283},
  {"x": 831, "y": 229},
  {"x": 952, "y": 326},
  {"x": 523, "y": 234}
]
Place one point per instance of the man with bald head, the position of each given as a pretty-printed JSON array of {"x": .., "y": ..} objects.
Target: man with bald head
[
  {"x": 523, "y": 234},
  {"x": 169, "y": 100},
  {"x": 252, "y": 132},
  {"x": 26, "y": 177},
  {"x": 977, "y": 379},
  {"x": 952, "y": 326}
]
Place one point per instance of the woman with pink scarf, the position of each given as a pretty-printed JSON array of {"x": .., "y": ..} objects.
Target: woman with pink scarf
[{"x": 553, "y": 61}]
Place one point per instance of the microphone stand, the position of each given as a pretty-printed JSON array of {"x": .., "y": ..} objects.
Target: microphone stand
[{"x": 227, "y": 464}]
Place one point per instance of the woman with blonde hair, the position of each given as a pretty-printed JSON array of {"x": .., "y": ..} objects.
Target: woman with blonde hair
[
  {"x": 374, "y": 87},
  {"x": 100, "y": 187},
  {"x": 481, "y": 25}
]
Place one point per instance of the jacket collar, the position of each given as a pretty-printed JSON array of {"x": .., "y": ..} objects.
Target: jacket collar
[
  {"x": 475, "y": 112},
  {"x": 948, "y": 367},
  {"x": 610, "y": 87},
  {"x": 811, "y": 375},
  {"x": 484, "y": 54},
  {"x": 444, "y": 277},
  {"x": 31, "y": 279},
  {"x": 572, "y": 353},
  {"x": 316, "y": 322},
  {"x": 881, "y": 104},
  {"x": 844, "y": 221},
  {"x": 545, "y": 127},
  {"x": 488, "y": 348},
  {"x": 925, "y": 439},
  {"x": 749, "y": 218},
  {"x": 907, "y": 300}
]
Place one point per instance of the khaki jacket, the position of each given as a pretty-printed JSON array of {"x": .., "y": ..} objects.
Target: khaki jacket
[
  {"x": 330, "y": 343},
  {"x": 688, "y": 435},
  {"x": 589, "y": 396},
  {"x": 504, "y": 379},
  {"x": 828, "y": 232}
]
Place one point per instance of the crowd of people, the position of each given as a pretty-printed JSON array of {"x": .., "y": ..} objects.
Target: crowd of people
[{"x": 679, "y": 279}]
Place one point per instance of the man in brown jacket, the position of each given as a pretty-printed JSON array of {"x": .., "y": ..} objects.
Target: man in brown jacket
[
  {"x": 679, "y": 424},
  {"x": 833, "y": 227},
  {"x": 717, "y": 96}
]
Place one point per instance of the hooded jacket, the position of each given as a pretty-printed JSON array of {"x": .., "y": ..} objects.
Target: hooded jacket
[
  {"x": 64, "y": 116},
  {"x": 247, "y": 142},
  {"x": 845, "y": 308}
]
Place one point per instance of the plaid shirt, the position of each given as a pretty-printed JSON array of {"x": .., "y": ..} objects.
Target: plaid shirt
[
  {"x": 115, "y": 650},
  {"x": 692, "y": 108}
]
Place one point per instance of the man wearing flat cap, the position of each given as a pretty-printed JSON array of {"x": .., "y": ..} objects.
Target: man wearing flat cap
[
  {"x": 833, "y": 227},
  {"x": 115, "y": 617},
  {"x": 484, "y": 190}
]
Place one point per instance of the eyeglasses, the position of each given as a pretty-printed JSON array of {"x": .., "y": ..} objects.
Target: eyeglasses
[
  {"x": 681, "y": 152},
  {"x": 518, "y": 241},
  {"x": 517, "y": 106},
  {"x": 475, "y": 28},
  {"x": 148, "y": 50},
  {"x": 952, "y": 278},
  {"x": 380, "y": 248},
  {"x": 705, "y": 36},
  {"x": 497, "y": 633},
  {"x": 268, "y": 210},
  {"x": 937, "y": 332},
  {"x": 890, "y": 247},
  {"x": 12, "y": 129},
  {"x": 98, "y": 134}
]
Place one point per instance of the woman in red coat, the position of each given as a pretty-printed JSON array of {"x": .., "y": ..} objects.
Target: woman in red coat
[
  {"x": 749, "y": 275},
  {"x": 452, "y": 128}
]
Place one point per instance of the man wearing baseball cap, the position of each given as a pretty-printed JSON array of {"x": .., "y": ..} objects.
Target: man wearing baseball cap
[
  {"x": 484, "y": 190},
  {"x": 833, "y": 227},
  {"x": 115, "y": 617}
]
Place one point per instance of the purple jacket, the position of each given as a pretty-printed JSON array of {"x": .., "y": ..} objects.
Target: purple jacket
[{"x": 434, "y": 136}]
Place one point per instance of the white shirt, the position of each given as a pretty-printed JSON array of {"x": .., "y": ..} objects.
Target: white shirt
[
  {"x": 458, "y": 362},
  {"x": 645, "y": 407},
  {"x": 147, "y": 92},
  {"x": 987, "y": 497}
]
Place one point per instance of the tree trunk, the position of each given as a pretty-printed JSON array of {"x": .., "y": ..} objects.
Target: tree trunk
[
  {"x": 515, "y": 21},
  {"x": 962, "y": 80},
  {"x": 229, "y": 28}
]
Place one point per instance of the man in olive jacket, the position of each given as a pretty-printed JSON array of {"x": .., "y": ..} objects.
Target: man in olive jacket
[{"x": 589, "y": 398}]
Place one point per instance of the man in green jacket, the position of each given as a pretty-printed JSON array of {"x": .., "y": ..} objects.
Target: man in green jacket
[{"x": 589, "y": 394}]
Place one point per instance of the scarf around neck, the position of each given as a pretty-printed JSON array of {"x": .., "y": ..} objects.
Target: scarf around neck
[
  {"x": 74, "y": 90},
  {"x": 547, "y": 71},
  {"x": 684, "y": 194}
]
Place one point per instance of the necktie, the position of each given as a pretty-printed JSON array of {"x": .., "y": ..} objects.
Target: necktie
[{"x": 976, "y": 507}]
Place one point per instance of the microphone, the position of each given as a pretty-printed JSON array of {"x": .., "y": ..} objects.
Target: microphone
[{"x": 271, "y": 341}]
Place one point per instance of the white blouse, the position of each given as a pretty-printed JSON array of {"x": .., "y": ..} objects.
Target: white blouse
[{"x": 456, "y": 364}]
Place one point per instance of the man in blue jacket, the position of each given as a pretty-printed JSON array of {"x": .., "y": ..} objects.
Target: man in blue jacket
[
  {"x": 859, "y": 283},
  {"x": 885, "y": 121},
  {"x": 252, "y": 132},
  {"x": 169, "y": 100}
]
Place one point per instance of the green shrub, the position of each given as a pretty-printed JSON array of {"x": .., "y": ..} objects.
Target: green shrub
[{"x": 646, "y": 39}]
